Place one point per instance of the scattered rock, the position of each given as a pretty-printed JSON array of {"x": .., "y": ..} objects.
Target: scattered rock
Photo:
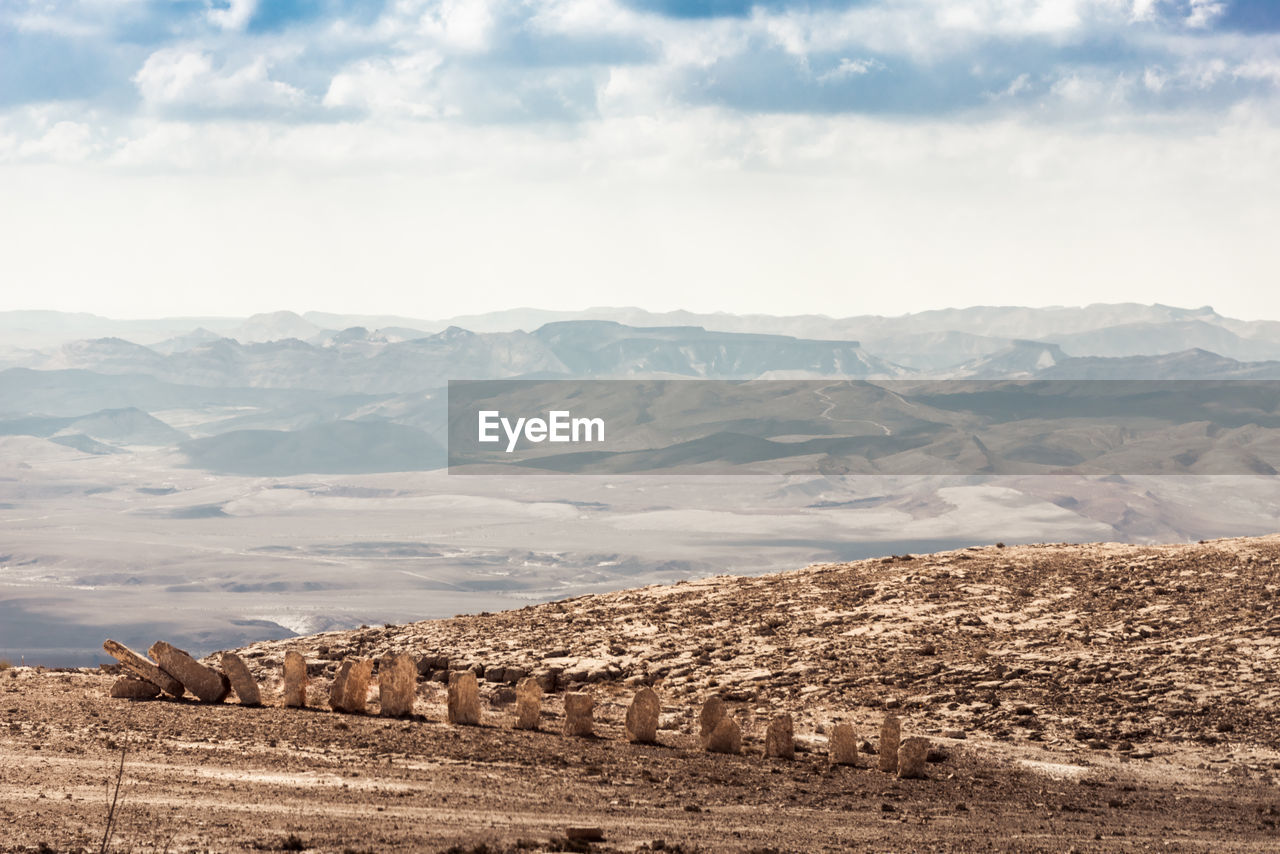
[
  {"x": 890, "y": 731},
  {"x": 132, "y": 688},
  {"x": 643, "y": 716},
  {"x": 242, "y": 681},
  {"x": 397, "y": 685},
  {"x": 528, "y": 703},
  {"x": 584, "y": 834},
  {"x": 779, "y": 738},
  {"x": 912, "y": 755},
  {"x": 464, "y": 698},
  {"x": 142, "y": 667},
  {"x": 207, "y": 684},
  {"x": 844, "y": 745},
  {"x": 579, "y": 708},
  {"x": 295, "y": 680}
]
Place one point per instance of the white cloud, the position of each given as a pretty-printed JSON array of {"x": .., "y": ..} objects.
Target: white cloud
[
  {"x": 231, "y": 14},
  {"x": 1204, "y": 12},
  {"x": 397, "y": 84},
  {"x": 850, "y": 68},
  {"x": 187, "y": 77}
]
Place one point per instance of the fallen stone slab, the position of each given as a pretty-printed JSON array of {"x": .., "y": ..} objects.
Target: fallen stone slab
[
  {"x": 779, "y": 738},
  {"x": 350, "y": 689},
  {"x": 913, "y": 753},
  {"x": 528, "y": 703},
  {"x": 295, "y": 680},
  {"x": 397, "y": 685},
  {"x": 242, "y": 681},
  {"x": 207, "y": 684},
  {"x": 464, "y": 698},
  {"x": 890, "y": 732},
  {"x": 143, "y": 667},
  {"x": 579, "y": 714},
  {"x": 643, "y": 716},
  {"x": 725, "y": 738},
  {"x": 844, "y": 745},
  {"x": 132, "y": 688}
]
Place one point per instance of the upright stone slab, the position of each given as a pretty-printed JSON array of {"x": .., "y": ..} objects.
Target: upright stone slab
[
  {"x": 890, "y": 732},
  {"x": 397, "y": 685},
  {"x": 295, "y": 680},
  {"x": 912, "y": 755},
  {"x": 207, "y": 684},
  {"x": 464, "y": 698},
  {"x": 242, "y": 681},
  {"x": 528, "y": 703},
  {"x": 642, "y": 717},
  {"x": 132, "y": 688},
  {"x": 780, "y": 739},
  {"x": 844, "y": 745},
  {"x": 350, "y": 689},
  {"x": 713, "y": 712},
  {"x": 725, "y": 738},
  {"x": 579, "y": 713},
  {"x": 143, "y": 667}
]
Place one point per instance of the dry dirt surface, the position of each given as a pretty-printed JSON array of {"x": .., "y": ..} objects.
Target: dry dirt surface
[{"x": 1090, "y": 698}]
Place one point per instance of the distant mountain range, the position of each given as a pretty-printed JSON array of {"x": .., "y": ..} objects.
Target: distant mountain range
[{"x": 284, "y": 393}]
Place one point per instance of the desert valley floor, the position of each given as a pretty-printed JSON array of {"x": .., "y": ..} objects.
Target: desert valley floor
[{"x": 1080, "y": 697}]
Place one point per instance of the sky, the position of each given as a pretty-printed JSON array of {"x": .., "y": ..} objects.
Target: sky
[{"x": 440, "y": 157}]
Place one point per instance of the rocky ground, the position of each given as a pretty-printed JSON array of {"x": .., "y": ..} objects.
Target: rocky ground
[{"x": 1096, "y": 697}]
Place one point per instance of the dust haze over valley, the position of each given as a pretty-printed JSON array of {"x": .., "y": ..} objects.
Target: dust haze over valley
[{"x": 219, "y": 481}]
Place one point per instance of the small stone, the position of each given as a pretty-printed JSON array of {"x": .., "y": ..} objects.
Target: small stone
[
  {"x": 890, "y": 732},
  {"x": 143, "y": 667},
  {"x": 844, "y": 745},
  {"x": 131, "y": 688},
  {"x": 725, "y": 738},
  {"x": 713, "y": 712},
  {"x": 579, "y": 710},
  {"x": 295, "y": 680},
  {"x": 464, "y": 698},
  {"x": 584, "y": 834},
  {"x": 779, "y": 738},
  {"x": 528, "y": 703},
  {"x": 643, "y": 716},
  {"x": 350, "y": 689},
  {"x": 242, "y": 681},
  {"x": 912, "y": 755},
  {"x": 207, "y": 684},
  {"x": 397, "y": 685}
]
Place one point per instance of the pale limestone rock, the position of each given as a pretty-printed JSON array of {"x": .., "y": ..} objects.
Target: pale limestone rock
[
  {"x": 844, "y": 745},
  {"x": 713, "y": 711},
  {"x": 131, "y": 688},
  {"x": 207, "y": 684},
  {"x": 579, "y": 711},
  {"x": 350, "y": 689},
  {"x": 725, "y": 738},
  {"x": 643, "y": 716},
  {"x": 397, "y": 685},
  {"x": 779, "y": 738},
  {"x": 242, "y": 681},
  {"x": 890, "y": 732},
  {"x": 143, "y": 667},
  {"x": 464, "y": 698},
  {"x": 295, "y": 679},
  {"x": 912, "y": 755},
  {"x": 528, "y": 703}
]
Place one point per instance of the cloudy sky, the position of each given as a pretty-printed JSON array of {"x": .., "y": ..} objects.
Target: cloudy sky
[{"x": 435, "y": 157}]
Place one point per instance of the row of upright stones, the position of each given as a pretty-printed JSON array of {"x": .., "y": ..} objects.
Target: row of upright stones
[{"x": 172, "y": 671}]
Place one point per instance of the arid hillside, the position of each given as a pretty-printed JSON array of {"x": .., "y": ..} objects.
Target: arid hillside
[{"x": 1077, "y": 697}]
